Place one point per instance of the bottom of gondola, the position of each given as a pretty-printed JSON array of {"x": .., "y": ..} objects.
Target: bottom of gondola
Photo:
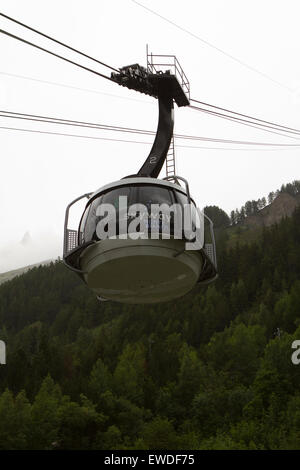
[{"x": 140, "y": 271}]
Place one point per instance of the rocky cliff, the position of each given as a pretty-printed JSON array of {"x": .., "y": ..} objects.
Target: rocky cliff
[{"x": 283, "y": 206}]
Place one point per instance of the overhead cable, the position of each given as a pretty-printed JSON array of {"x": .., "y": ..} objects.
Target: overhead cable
[
  {"x": 140, "y": 142},
  {"x": 18, "y": 38},
  {"x": 83, "y": 124},
  {"x": 56, "y": 41}
]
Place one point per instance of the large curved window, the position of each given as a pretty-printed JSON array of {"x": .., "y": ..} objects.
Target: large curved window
[
  {"x": 181, "y": 198},
  {"x": 112, "y": 197},
  {"x": 90, "y": 218},
  {"x": 148, "y": 195},
  {"x": 162, "y": 221},
  {"x": 190, "y": 213},
  {"x": 89, "y": 221},
  {"x": 157, "y": 200}
]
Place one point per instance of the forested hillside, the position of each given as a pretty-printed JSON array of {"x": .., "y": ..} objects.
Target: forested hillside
[{"x": 212, "y": 370}]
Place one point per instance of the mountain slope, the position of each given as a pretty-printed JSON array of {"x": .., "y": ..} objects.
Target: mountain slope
[
  {"x": 9, "y": 275},
  {"x": 282, "y": 206}
]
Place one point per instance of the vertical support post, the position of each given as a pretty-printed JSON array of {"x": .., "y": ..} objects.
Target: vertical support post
[{"x": 164, "y": 134}]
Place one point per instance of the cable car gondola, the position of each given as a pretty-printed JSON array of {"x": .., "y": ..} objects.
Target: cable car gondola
[{"x": 126, "y": 265}]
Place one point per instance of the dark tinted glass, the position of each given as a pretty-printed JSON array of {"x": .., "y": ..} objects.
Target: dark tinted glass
[
  {"x": 182, "y": 198},
  {"x": 144, "y": 194},
  {"x": 112, "y": 197},
  {"x": 148, "y": 195},
  {"x": 90, "y": 219}
]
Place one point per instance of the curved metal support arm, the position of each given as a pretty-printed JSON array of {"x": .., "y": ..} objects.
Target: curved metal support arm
[
  {"x": 65, "y": 248},
  {"x": 176, "y": 178},
  {"x": 164, "y": 134}
]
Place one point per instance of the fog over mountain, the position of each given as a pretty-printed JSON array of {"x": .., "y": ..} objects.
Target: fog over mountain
[{"x": 32, "y": 248}]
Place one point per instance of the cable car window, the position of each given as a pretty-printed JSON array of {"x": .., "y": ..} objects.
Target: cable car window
[
  {"x": 182, "y": 198},
  {"x": 81, "y": 226},
  {"x": 112, "y": 197},
  {"x": 160, "y": 222},
  {"x": 148, "y": 195},
  {"x": 90, "y": 220}
]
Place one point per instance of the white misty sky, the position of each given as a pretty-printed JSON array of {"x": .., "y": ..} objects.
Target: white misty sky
[{"x": 40, "y": 173}]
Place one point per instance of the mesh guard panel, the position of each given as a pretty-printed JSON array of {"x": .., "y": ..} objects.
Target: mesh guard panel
[{"x": 71, "y": 240}]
